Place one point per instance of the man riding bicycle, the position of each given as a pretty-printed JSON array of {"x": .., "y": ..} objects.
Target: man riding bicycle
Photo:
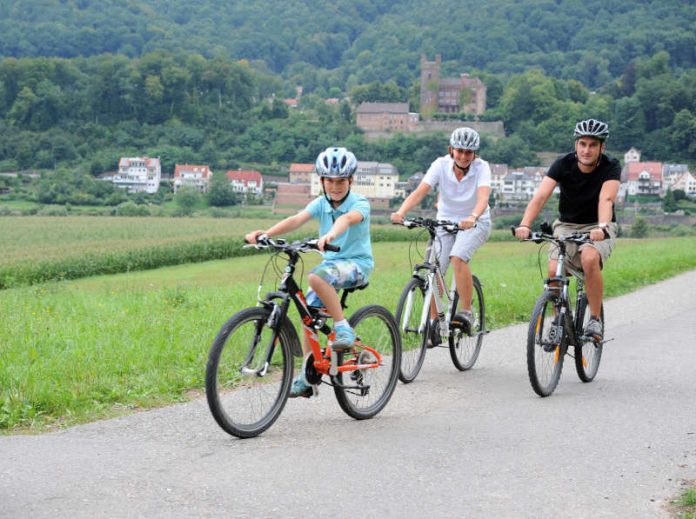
[
  {"x": 464, "y": 184},
  {"x": 344, "y": 221},
  {"x": 589, "y": 182}
]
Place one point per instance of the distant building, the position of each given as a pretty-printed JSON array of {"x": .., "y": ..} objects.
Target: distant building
[
  {"x": 498, "y": 174},
  {"x": 449, "y": 95},
  {"x": 385, "y": 117},
  {"x": 523, "y": 183},
  {"x": 632, "y": 155},
  {"x": 671, "y": 172},
  {"x": 290, "y": 198},
  {"x": 300, "y": 173},
  {"x": 643, "y": 178},
  {"x": 687, "y": 183},
  {"x": 138, "y": 174},
  {"x": 246, "y": 181},
  {"x": 191, "y": 175},
  {"x": 373, "y": 180}
]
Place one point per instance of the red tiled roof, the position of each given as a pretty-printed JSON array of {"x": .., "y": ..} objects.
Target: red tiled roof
[
  {"x": 192, "y": 168},
  {"x": 301, "y": 167},
  {"x": 245, "y": 175},
  {"x": 634, "y": 169}
]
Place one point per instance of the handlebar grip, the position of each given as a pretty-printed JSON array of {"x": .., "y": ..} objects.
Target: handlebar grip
[
  {"x": 331, "y": 248},
  {"x": 512, "y": 229}
]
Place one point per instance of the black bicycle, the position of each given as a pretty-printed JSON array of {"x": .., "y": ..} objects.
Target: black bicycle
[
  {"x": 250, "y": 365},
  {"x": 426, "y": 287},
  {"x": 554, "y": 328}
]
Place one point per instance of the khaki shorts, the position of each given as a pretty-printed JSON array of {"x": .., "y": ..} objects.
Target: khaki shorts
[{"x": 604, "y": 247}]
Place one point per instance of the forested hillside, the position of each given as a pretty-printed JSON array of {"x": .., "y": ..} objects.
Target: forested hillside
[
  {"x": 360, "y": 41},
  {"x": 84, "y": 82}
]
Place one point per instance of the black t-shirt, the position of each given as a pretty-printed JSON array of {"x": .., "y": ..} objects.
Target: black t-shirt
[{"x": 580, "y": 191}]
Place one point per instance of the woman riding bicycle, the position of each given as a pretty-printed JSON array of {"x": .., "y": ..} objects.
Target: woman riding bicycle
[
  {"x": 464, "y": 184},
  {"x": 344, "y": 221}
]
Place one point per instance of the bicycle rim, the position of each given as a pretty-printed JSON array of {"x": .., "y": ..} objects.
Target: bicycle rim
[
  {"x": 409, "y": 312},
  {"x": 545, "y": 346},
  {"x": 369, "y": 390},
  {"x": 465, "y": 348},
  {"x": 243, "y": 399},
  {"x": 587, "y": 353}
]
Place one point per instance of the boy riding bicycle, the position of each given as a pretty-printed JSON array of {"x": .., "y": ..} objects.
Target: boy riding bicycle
[{"x": 344, "y": 221}]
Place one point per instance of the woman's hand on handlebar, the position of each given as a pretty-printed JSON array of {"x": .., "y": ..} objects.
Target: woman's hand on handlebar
[{"x": 252, "y": 236}]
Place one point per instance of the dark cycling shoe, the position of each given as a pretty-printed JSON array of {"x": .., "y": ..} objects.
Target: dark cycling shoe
[
  {"x": 462, "y": 320},
  {"x": 593, "y": 329},
  {"x": 434, "y": 338}
]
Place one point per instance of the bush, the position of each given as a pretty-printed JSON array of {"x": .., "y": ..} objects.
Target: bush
[
  {"x": 131, "y": 209},
  {"x": 53, "y": 210}
]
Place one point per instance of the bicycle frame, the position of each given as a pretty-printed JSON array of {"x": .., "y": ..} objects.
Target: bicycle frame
[{"x": 313, "y": 321}]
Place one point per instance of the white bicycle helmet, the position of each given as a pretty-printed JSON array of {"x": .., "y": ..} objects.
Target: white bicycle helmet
[
  {"x": 592, "y": 128},
  {"x": 336, "y": 162},
  {"x": 465, "y": 139}
]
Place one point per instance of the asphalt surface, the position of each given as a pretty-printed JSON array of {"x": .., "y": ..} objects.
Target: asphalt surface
[{"x": 451, "y": 444}]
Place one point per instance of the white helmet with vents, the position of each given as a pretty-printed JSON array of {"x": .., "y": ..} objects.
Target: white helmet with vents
[
  {"x": 592, "y": 128},
  {"x": 465, "y": 139},
  {"x": 336, "y": 162}
]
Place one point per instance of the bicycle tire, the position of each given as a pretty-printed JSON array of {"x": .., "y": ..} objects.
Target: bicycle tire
[
  {"x": 465, "y": 348},
  {"x": 587, "y": 354},
  {"x": 375, "y": 326},
  {"x": 413, "y": 343},
  {"x": 545, "y": 353},
  {"x": 246, "y": 404}
]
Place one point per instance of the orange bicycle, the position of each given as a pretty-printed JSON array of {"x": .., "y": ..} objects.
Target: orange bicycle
[{"x": 250, "y": 365}]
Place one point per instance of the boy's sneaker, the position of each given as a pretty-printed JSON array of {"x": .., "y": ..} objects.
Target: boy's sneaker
[
  {"x": 345, "y": 337},
  {"x": 594, "y": 329},
  {"x": 462, "y": 320},
  {"x": 300, "y": 387}
]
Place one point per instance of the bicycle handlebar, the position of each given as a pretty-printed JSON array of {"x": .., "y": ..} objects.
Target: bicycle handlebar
[
  {"x": 542, "y": 236},
  {"x": 279, "y": 244},
  {"x": 432, "y": 224}
]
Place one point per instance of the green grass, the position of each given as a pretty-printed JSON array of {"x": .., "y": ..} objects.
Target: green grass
[
  {"x": 685, "y": 506},
  {"x": 81, "y": 350}
]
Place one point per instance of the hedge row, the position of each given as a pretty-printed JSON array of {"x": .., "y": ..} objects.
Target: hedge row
[{"x": 116, "y": 262}]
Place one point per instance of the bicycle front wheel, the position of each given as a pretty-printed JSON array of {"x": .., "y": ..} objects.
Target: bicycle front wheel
[
  {"x": 587, "y": 352},
  {"x": 409, "y": 312},
  {"x": 465, "y": 347},
  {"x": 364, "y": 393},
  {"x": 245, "y": 393},
  {"x": 546, "y": 345}
]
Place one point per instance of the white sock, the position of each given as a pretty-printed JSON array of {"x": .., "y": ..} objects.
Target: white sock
[{"x": 344, "y": 322}]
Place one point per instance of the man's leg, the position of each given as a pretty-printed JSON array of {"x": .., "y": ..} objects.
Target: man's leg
[{"x": 594, "y": 286}]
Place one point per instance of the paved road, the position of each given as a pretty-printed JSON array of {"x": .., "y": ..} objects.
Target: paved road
[{"x": 474, "y": 444}]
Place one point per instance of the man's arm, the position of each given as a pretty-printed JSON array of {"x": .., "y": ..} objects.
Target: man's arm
[
  {"x": 535, "y": 206},
  {"x": 605, "y": 208}
]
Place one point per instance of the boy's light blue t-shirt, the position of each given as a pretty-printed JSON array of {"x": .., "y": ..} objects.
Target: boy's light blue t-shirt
[{"x": 355, "y": 242}]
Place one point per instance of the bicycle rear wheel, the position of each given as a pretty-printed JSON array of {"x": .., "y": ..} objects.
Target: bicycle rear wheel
[
  {"x": 244, "y": 394},
  {"x": 546, "y": 345},
  {"x": 465, "y": 348},
  {"x": 364, "y": 393},
  {"x": 409, "y": 312},
  {"x": 588, "y": 354}
]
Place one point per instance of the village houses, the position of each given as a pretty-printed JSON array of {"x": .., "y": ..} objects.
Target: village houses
[{"x": 246, "y": 181}]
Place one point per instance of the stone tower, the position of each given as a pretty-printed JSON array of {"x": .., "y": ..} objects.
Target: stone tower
[{"x": 429, "y": 84}]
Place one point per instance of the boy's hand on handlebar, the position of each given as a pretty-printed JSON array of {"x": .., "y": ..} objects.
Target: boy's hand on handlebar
[
  {"x": 324, "y": 241},
  {"x": 596, "y": 234}
]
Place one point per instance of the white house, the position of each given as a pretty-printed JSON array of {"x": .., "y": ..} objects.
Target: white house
[
  {"x": 138, "y": 174},
  {"x": 246, "y": 181},
  {"x": 190, "y": 175}
]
